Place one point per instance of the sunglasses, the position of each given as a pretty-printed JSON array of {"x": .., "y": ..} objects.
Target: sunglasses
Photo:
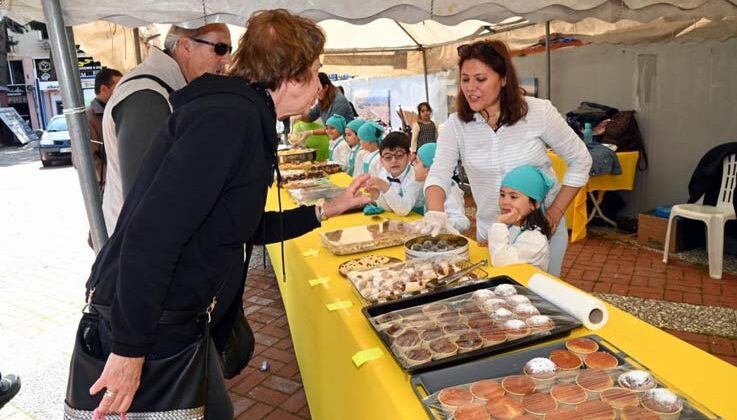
[{"x": 220, "y": 48}]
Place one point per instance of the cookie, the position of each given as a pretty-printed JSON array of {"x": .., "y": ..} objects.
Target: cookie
[{"x": 364, "y": 263}]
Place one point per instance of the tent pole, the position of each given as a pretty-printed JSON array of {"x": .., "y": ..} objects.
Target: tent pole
[
  {"x": 137, "y": 45},
  {"x": 424, "y": 70},
  {"x": 67, "y": 70},
  {"x": 547, "y": 59}
]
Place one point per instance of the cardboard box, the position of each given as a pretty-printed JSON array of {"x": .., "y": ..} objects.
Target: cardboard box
[{"x": 651, "y": 232}]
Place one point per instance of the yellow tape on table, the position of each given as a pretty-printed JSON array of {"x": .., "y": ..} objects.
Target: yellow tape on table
[
  {"x": 311, "y": 253},
  {"x": 343, "y": 304},
  {"x": 367, "y": 355},
  {"x": 319, "y": 280}
]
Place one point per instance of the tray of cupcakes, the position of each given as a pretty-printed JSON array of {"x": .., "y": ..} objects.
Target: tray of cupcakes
[
  {"x": 583, "y": 378},
  {"x": 456, "y": 325}
]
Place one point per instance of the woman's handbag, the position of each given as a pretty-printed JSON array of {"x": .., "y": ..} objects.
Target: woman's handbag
[
  {"x": 238, "y": 348},
  {"x": 174, "y": 387}
]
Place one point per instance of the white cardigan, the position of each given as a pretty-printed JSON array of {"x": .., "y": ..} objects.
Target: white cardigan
[{"x": 509, "y": 245}]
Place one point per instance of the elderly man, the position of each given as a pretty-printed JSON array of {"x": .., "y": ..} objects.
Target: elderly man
[{"x": 140, "y": 103}]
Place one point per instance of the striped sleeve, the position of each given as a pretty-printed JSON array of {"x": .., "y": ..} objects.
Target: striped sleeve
[{"x": 566, "y": 144}]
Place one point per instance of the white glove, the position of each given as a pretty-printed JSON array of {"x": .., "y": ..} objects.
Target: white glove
[{"x": 434, "y": 223}]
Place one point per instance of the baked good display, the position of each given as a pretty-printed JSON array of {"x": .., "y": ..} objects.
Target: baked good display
[
  {"x": 518, "y": 385},
  {"x": 487, "y": 389},
  {"x": 455, "y": 397},
  {"x": 565, "y": 360},
  {"x": 306, "y": 183},
  {"x": 596, "y": 410},
  {"x": 637, "y": 380},
  {"x": 365, "y": 263},
  {"x": 365, "y": 237},
  {"x": 594, "y": 381},
  {"x": 315, "y": 195},
  {"x": 539, "y": 403},
  {"x": 601, "y": 360},
  {"x": 404, "y": 279},
  {"x": 620, "y": 398},
  {"x": 505, "y": 408},
  {"x": 568, "y": 395},
  {"x": 582, "y": 346},
  {"x": 541, "y": 369},
  {"x": 473, "y": 411},
  {"x": 505, "y": 290},
  {"x": 638, "y": 413},
  {"x": 540, "y": 323},
  {"x": 418, "y": 355},
  {"x": 515, "y": 328},
  {"x": 426, "y": 246},
  {"x": 662, "y": 402}
]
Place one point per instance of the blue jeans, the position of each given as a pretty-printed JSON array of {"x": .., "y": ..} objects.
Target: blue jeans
[{"x": 558, "y": 245}]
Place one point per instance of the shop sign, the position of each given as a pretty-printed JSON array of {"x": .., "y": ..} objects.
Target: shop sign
[{"x": 16, "y": 90}]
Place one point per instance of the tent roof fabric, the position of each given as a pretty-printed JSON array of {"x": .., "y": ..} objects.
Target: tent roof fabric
[{"x": 448, "y": 12}]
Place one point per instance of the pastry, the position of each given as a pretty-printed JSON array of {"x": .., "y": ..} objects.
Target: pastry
[
  {"x": 469, "y": 341},
  {"x": 417, "y": 356},
  {"x": 432, "y": 334},
  {"x": 600, "y": 360},
  {"x": 515, "y": 329},
  {"x": 454, "y": 330},
  {"x": 619, "y": 398},
  {"x": 388, "y": 317},
  {"x": 539, "y": 404},
  {"x": 562, "y": 414},
  {"x": 442, "y": 348},
  {"x": 594, "y": 381},
  {"x": 481, "y": 295},
  {"x": 394, "y": 330},
  {"x": 481, "y": 323},
  {"x": 525, "y": 310},
  {"x": 505, "y": 290},
  {"x": 595, "y": 410},
  {"x": 568, "y": 395},
  {"x": 637, "y": 380},
  {"x": 502, "y": 314},
  {"x": 505, "y": 408},
  {"x": 493, "y": 335},
  {"x": 364, "y": 263},
  {"x": 408, "y": 339},
  {"x": 565, "y": 360},
  {"x": 450, "y": 317},
  {"x": 473, "y": 411},
  {"x": 518, "y": 385},
  {"x": 582, "y": 346},
  {"x": 515, "y": 300},
  {"x": 452, "y": 398},
  {"x": 540, "y": 323},
  {"x": 492, "y": 304},
  {"x": 541, "y": 369},
  {"x": 662, "y": 402},
  {"x": 486, "y": 389},
  {"x": 638, "y": 413},
  {"x": 434, "y": 309}
]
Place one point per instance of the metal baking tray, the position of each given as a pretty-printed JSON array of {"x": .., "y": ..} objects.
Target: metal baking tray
[
  {"x": 564, "y": 323},
  {"x": 428, "y": 383}
]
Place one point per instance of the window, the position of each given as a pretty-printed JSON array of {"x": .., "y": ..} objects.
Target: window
[{"x": 15, "y": 70}]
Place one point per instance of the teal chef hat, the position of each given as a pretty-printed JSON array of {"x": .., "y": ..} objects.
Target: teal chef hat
[
  {"x": 530, "y": 181},
  {"x": 338, "y": 122},
  {"x": 356, "y": 125},
  {"x": 426, "y": 153},
  {"x": 371, "y": 132}
]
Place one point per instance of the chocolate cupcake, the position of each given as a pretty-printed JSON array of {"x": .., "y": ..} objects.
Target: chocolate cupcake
[
  {"x": 619, "y": 398},
  {"x": 525, "y": 310},
  {"x": 388, "y": 317},
  {"x": 600, "y": 360},
  {"x": 473, "y": 411},
  {"x": 663, "y": 402},
  {"x": 568, "y": 395},
  {"x": 486, "y": 389},
  {"x": 493, "y": 335},
  {"x": 565, "y": 360},
  {"x": 542, "y": 370},
  {"x": 540, "y": 323},
  {"x": 432, "y": 334},
  {"x": 539, "y": 404},
  {"x": 596, "y": 410},
  {"x": 408, "y": 339},
  {"x": 594, "y": 381},
  {"x": 452, "y": 398},
  {"x": 582, "y": 346},
  {"x": 434, "y": 309},
  {"x": 469, "y": 341},
  {"x": 505, "y": 408},
  {"x": 442, "y": 348},
  {"x": 637, "y": 380},
  {"x": 417, "y": 356},
  {"x": 515, "y": 329},
  {"x": 505, "y": 290},
  {"x": 517, "y": 386}
]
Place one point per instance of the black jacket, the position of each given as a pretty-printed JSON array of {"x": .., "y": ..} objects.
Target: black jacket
[
  {"x": 198, "y": 198},
  {"x": 706, "y": 179}
]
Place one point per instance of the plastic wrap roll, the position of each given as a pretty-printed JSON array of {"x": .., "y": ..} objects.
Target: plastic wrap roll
[{"x": 589, "y": 310}]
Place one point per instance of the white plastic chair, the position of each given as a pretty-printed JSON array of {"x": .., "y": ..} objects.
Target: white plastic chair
[{"x": 715, "y": 218}]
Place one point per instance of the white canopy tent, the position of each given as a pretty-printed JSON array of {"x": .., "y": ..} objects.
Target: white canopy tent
[{"x": 135, "y": 13}]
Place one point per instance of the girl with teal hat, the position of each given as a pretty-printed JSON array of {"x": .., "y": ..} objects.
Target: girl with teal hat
[
  {"x": 521, "y": 231},
  {"x": 370, "y": 135},
  {"x": 454, "y": 202},
  {"x": 352, "y": 140},
  {"x": 335, "y": 129}
]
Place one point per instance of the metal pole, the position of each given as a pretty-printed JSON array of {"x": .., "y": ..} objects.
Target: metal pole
[
  {"x": 547, "y": 59},
  {"x": 66, "y": 69},
  {"x": 77, "y": 91},
  {"x": 137, "y": 45},
  {"x": 424, "y": 70}
]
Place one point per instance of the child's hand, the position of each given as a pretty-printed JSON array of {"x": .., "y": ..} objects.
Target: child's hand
[
  {"x": 377, "y": 184},
  {"x": 512, "y": 217}
]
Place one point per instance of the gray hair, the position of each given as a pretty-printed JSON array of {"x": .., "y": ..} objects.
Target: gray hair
[{"x": 174, "y": 34}]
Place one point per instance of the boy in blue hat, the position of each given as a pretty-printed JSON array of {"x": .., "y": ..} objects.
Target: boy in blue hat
[
  {"x": 521, "y": 232},
  {"x": 395, "y": 182},
  {"x": 367, "y": 161},
  {"x": 335, "y": 129},
  {"x": 454, "y": 202}
]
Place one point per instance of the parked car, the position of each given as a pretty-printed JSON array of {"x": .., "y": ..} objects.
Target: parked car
[{"x": 55, "y": 144}]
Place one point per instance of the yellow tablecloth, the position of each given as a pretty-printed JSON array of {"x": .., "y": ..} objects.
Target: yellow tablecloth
[
  {"x": 577, "y": 216},
  {"x": 325, "y": 341}
]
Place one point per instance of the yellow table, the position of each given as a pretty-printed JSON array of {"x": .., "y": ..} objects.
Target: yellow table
[
  {"x": 576, "y": 215},
  {"x": 325, "y": 341}
]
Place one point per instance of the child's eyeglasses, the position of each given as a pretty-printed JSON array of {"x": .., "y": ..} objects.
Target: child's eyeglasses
[{"x": 393, "y": 156}]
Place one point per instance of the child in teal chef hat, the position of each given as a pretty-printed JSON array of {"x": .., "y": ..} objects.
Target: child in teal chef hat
[
  {"x": 370, "y": 135},
  {"x": 521, "y": 231},
  {"x": 354, "y": 143},
  {"x": 335, "y": 129}
]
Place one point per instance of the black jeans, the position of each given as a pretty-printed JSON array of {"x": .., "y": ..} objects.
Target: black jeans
[{"x": 171, "y": 340}]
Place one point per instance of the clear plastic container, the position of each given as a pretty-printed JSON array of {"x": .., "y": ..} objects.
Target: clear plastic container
[{"x": 362, "y": 238}]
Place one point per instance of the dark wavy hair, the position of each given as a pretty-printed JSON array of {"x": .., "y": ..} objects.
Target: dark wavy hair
[
  {"x": 537, "y": 220},
  {"x": 423, "y": 105},
  {"x": 496, "y": 56}
]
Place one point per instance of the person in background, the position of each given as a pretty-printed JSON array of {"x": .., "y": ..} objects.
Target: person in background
[
  {"x": 396, "y": 184},
  {"x": 9, "y": 387},
  {"x": 330, "y": 102},
  {"x": 454, "y": 205},
  {"x": 319, "y": 142},
  {"x": 367, "y": 161},
  {"x": 424, "y": 130},
  {"x": 105, "y": 82},
  {"x": 140, "y": 103},
  {"x": 354, "y": 143},
  {"x": 342, "y": 91},
  {"x": 495, "y": 130},
  {"x": 521, "y": 232},
  {"x": 335, "y": 128}
]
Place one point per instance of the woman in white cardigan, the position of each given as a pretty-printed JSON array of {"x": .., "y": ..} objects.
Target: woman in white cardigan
[{"x": 495, "y": 130}]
